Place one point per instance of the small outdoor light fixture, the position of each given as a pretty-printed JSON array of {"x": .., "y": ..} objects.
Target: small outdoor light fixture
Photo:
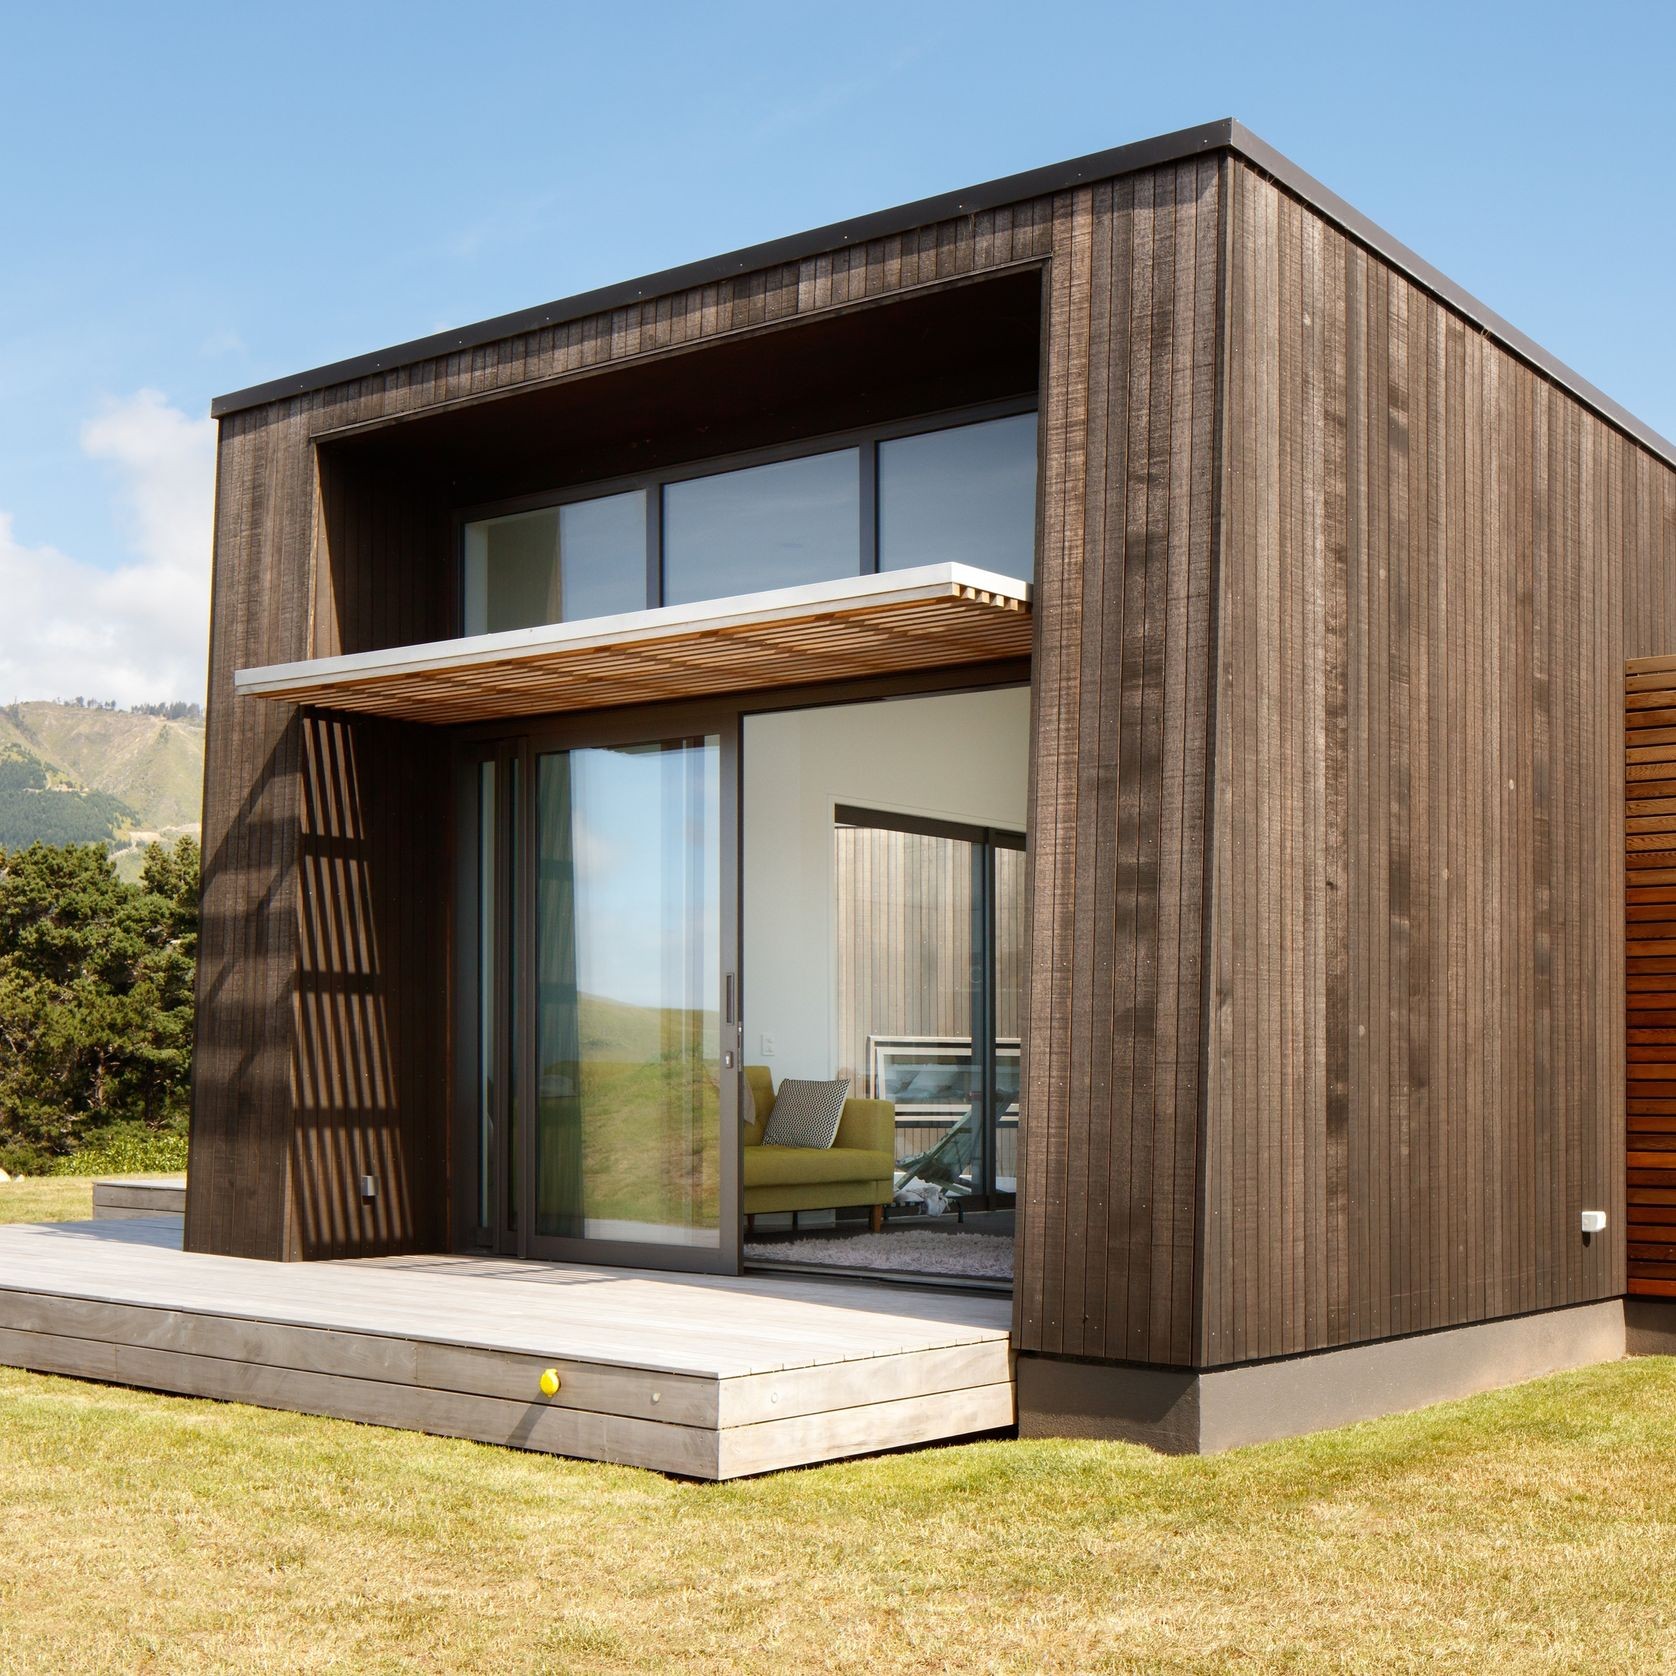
[
  {"x": 550, "y": 1382},
  {"x": 1594, "y": 1222},
  {"x": 369, "y": 1187}
]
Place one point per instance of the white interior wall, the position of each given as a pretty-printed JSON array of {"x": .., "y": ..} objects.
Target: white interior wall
[{"x": 955, "y": 756}]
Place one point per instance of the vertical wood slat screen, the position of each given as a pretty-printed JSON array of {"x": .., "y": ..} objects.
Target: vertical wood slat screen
[{"x": 1650, "y": 972}]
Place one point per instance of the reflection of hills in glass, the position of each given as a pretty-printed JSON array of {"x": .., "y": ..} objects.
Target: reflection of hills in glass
[{"x": 644, "y": 1101}]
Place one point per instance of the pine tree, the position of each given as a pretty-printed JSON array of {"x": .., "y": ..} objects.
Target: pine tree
[{"x": 95, "y": 991}]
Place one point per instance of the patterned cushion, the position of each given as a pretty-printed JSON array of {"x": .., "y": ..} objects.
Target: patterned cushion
[{"x": 806, "y": 1113}]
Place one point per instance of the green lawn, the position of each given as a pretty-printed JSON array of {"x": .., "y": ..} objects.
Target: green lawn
[
  {"x": 54, "y": 1199},
  {"x": 45, "y": 1199},
  {"x": 1533, "y": 1529}
]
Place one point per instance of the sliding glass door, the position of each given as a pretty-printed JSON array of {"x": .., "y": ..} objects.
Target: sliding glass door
[
  {"x": 628, "y": 996},
  {"x": 603, "y": 983}
]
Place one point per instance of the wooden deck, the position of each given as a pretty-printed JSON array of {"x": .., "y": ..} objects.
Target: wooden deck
[{"x": 703, "y": 1376}]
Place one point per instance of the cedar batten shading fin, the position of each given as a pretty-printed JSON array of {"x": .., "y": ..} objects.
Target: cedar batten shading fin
[
  {"x": 1650, "y": 962},
  {"x": 939, "y": 615}
]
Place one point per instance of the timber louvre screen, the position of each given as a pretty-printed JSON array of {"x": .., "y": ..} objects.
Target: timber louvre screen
[{"x": 1650, "y": 973}]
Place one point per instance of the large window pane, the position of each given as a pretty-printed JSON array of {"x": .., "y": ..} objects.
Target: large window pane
[
  {"x": 512, "y": 572},
  {"x": 628, "y": 924},
  {"x": 586, "y": 559},
  {"x": 602, "y": 556},
  {"x": 763, "y": 527},
  {"x": 964, "y": 496}
]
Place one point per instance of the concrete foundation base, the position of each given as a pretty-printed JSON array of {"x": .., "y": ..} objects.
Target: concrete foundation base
[
  {"x": 1650, "y": 1326},
  {"x": 1183, "y": 1412}
]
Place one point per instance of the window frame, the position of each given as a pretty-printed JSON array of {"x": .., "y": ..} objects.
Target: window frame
[{"x": 865, "y": 440}]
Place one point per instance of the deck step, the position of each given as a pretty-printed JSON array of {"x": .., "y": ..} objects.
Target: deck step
[
  {"x": 122, "y": 1197},
  {"x": 707, "y": 1377}
]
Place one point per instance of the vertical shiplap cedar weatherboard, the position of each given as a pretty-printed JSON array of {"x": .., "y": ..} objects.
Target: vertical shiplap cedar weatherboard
[
  {"x": 239, "y": 1200},
  {"x": 369, "y": 1085},
  {"x": 1121, "y": 674},
  {"x": 1131, "y": 994},
  {"x": 1416, "y": 930}
]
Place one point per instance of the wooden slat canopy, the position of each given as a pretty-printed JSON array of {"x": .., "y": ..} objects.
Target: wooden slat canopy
[
  {"x": 934, "y": 616},
  {"x": 1650, "y": 945}
]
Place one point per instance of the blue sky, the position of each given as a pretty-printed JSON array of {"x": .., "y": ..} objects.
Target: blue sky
[{"x": 200, "y": 197}]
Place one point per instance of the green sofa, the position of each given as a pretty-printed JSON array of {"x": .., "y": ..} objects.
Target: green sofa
[{"x": 859, "y": 1168}]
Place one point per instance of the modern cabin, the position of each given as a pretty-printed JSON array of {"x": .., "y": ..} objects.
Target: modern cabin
[{"x": 1096, "y": 704}]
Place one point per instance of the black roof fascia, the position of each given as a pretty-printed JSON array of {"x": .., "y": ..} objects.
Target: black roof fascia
[{"x": 1225, "y": 135}]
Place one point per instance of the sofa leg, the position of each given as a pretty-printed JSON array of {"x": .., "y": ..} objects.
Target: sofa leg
[
  {"x": 750, "y": 1223},
  {"x": 876, "y": 1218}
]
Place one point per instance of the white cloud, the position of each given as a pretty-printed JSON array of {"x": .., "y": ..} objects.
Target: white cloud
[{"x": 138, "y": 631}]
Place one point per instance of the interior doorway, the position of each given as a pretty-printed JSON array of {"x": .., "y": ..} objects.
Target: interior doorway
[
  {"x": 929, "y": 949},
  {"x": 883, "y": 895}
]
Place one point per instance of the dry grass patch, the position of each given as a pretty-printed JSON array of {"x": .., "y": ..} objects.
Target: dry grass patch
[{"x": 1533, "y": 1529}]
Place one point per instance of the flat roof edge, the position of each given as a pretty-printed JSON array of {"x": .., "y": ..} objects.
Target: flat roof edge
[{"x": 1226, "y": 134}]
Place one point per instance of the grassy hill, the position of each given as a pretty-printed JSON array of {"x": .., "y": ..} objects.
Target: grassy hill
[{"x": 70, "y": 773}]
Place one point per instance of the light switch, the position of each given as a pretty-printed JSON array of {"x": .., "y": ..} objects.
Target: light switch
[{"x": 767, "y": 1046}]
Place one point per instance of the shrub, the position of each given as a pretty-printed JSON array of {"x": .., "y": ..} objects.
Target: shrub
[
  {"x": 124, "y": 1149},
  {"x": 96, "y": 984}
]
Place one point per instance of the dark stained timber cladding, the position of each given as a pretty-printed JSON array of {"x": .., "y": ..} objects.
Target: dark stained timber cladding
[
  {"x": 1415, "y": 1037},
  {"x": 239, "y": 1198},
  {"x": 1122, "y": 661},
  {"x": 370, "y": 1075},
  {"x": 323, "y": 842}
]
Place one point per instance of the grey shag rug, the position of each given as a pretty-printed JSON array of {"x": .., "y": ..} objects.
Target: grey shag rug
[{"x": 906, "y": 1251}]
